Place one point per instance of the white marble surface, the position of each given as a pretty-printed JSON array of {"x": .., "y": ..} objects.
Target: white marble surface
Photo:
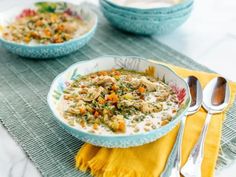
[{"x": 209, "y": 37}]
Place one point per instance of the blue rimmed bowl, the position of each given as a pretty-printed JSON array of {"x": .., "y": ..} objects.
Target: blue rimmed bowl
[
  {"x": 176, "y": 6},
  {"x": 144, "y": 27},
  {"x": 62, "y": 81},
  {"x": 147, "y": 21},
  {"x": 44, "y": 51},
  {"x": 148, "y": 17}
]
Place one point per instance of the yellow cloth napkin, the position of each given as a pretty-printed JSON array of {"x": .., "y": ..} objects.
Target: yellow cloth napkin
[{"x": 149, "y": 160}]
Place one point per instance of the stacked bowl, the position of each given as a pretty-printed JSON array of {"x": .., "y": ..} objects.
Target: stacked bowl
[{"x": 146, "y": 17}]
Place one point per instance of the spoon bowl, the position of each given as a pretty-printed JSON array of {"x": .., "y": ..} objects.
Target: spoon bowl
[
  {"x": 216, "y": 95},
  {"x": 196, "y": 94}
]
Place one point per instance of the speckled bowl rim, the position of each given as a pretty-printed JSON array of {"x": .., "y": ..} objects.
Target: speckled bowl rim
[
  {"x": 105, "y": 5},
  {"x": 163, "y": 9},
  {"x": 175, "y": 118},
  {"x": 154, "y": 21},
  {"x": 82, "y": 5}
]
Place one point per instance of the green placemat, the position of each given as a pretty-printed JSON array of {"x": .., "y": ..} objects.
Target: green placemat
[{"x": 24, "y": 85}]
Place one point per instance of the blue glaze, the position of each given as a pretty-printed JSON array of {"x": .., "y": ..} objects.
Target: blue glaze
[
  {"x": 147, "y": 21},
  {"x": 144, "y": 27}
]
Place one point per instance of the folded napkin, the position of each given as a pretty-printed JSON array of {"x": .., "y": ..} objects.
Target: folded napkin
[{"x": 149, "y": 160}]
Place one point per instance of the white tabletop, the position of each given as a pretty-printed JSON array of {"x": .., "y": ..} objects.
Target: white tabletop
[{"x": 209, "y": 37}]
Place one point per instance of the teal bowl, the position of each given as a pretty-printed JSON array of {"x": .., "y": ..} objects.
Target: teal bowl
[
  {"x": 149, "y": 17},
  {"x": 177, "y": 7},
  {"x": 144, "y": 27},
  {"x": 44, "y": 51},
  {"x": 116, "y": 140}
]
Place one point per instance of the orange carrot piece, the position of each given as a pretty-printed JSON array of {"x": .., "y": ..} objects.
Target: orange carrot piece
[
  {"x": 141, "y": 89},
  {"x": 82, "y": 110},
  {"x": 96, "y": 114},
  {"x": 114, "y": 87},
  {"x": 121, "y": 126}
]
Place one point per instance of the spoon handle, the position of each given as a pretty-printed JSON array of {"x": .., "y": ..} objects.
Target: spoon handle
[
  {"x": 192, "y": 167},
  {"x": 172, "y": 168}
]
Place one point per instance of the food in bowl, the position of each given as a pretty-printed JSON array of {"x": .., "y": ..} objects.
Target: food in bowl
[
  {"x": 119, "y": 101},
  {"x": 41, "y": 30},
  {"x": 62, "y": 95},
  {"x": 38, "y": 27}
]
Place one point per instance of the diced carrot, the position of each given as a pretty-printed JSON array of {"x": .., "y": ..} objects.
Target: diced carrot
[
  {"x": 113, "y": 97},
  {"x": 102, "y": 73},
  {"x": 101, "y": 101},
  {"x": 58, "y": 40},
  {"x": 141, "y": 89},
  {"x": 39, "y": 23},
  {"x": 47, "y": 32},
  {"x": 96, "y": 114},
  {"x": 114, "y": 87},
  {"x": 121, "y": 126},
  {"x": 61, "y": 27},
  {"x": 82, "y": 110},
  {"x": 95, "y": 126},
  {"x": 117, "y": 73},
  {"x": 27, "y": 39},
  {"x": 82, "y": 123}
]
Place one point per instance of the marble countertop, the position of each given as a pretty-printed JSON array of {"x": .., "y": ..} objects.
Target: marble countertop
[{"x": 209, "y": 37}]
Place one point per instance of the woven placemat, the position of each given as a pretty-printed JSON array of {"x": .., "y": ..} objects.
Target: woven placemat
[{"x": 24, "y": 84}]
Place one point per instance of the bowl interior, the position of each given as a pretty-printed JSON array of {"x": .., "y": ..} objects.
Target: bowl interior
[
  {"x": 62, "y": 81},
  {"x": 80, "y": 11}
]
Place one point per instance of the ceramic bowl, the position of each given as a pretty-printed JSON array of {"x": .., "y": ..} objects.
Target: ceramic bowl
[
  {"x": 146, "y": 21},
  {"x": 182, "y": 4},
  {"x": 42, "y": 51},
  {"x": 144, "y": 27},
  {"x": 150, "y": 14},
  {"x": 120, "y": 140},
  {"x": 146, "y": 17}
]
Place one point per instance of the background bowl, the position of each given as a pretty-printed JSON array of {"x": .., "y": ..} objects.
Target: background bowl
[
  {"x": 43, "y": 51},
  {"x": 150, "y": 11},
  {"x": 144, "y": 27},
  {"x": 147, "y": 21},
  {"x": 146, "y": 16},
  {"x": 62, "y": 81}
]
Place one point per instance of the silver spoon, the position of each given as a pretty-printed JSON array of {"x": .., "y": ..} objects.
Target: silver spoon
[
  {"x": 172, "y": 168},
  {"x": 215, "y": 99}
]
